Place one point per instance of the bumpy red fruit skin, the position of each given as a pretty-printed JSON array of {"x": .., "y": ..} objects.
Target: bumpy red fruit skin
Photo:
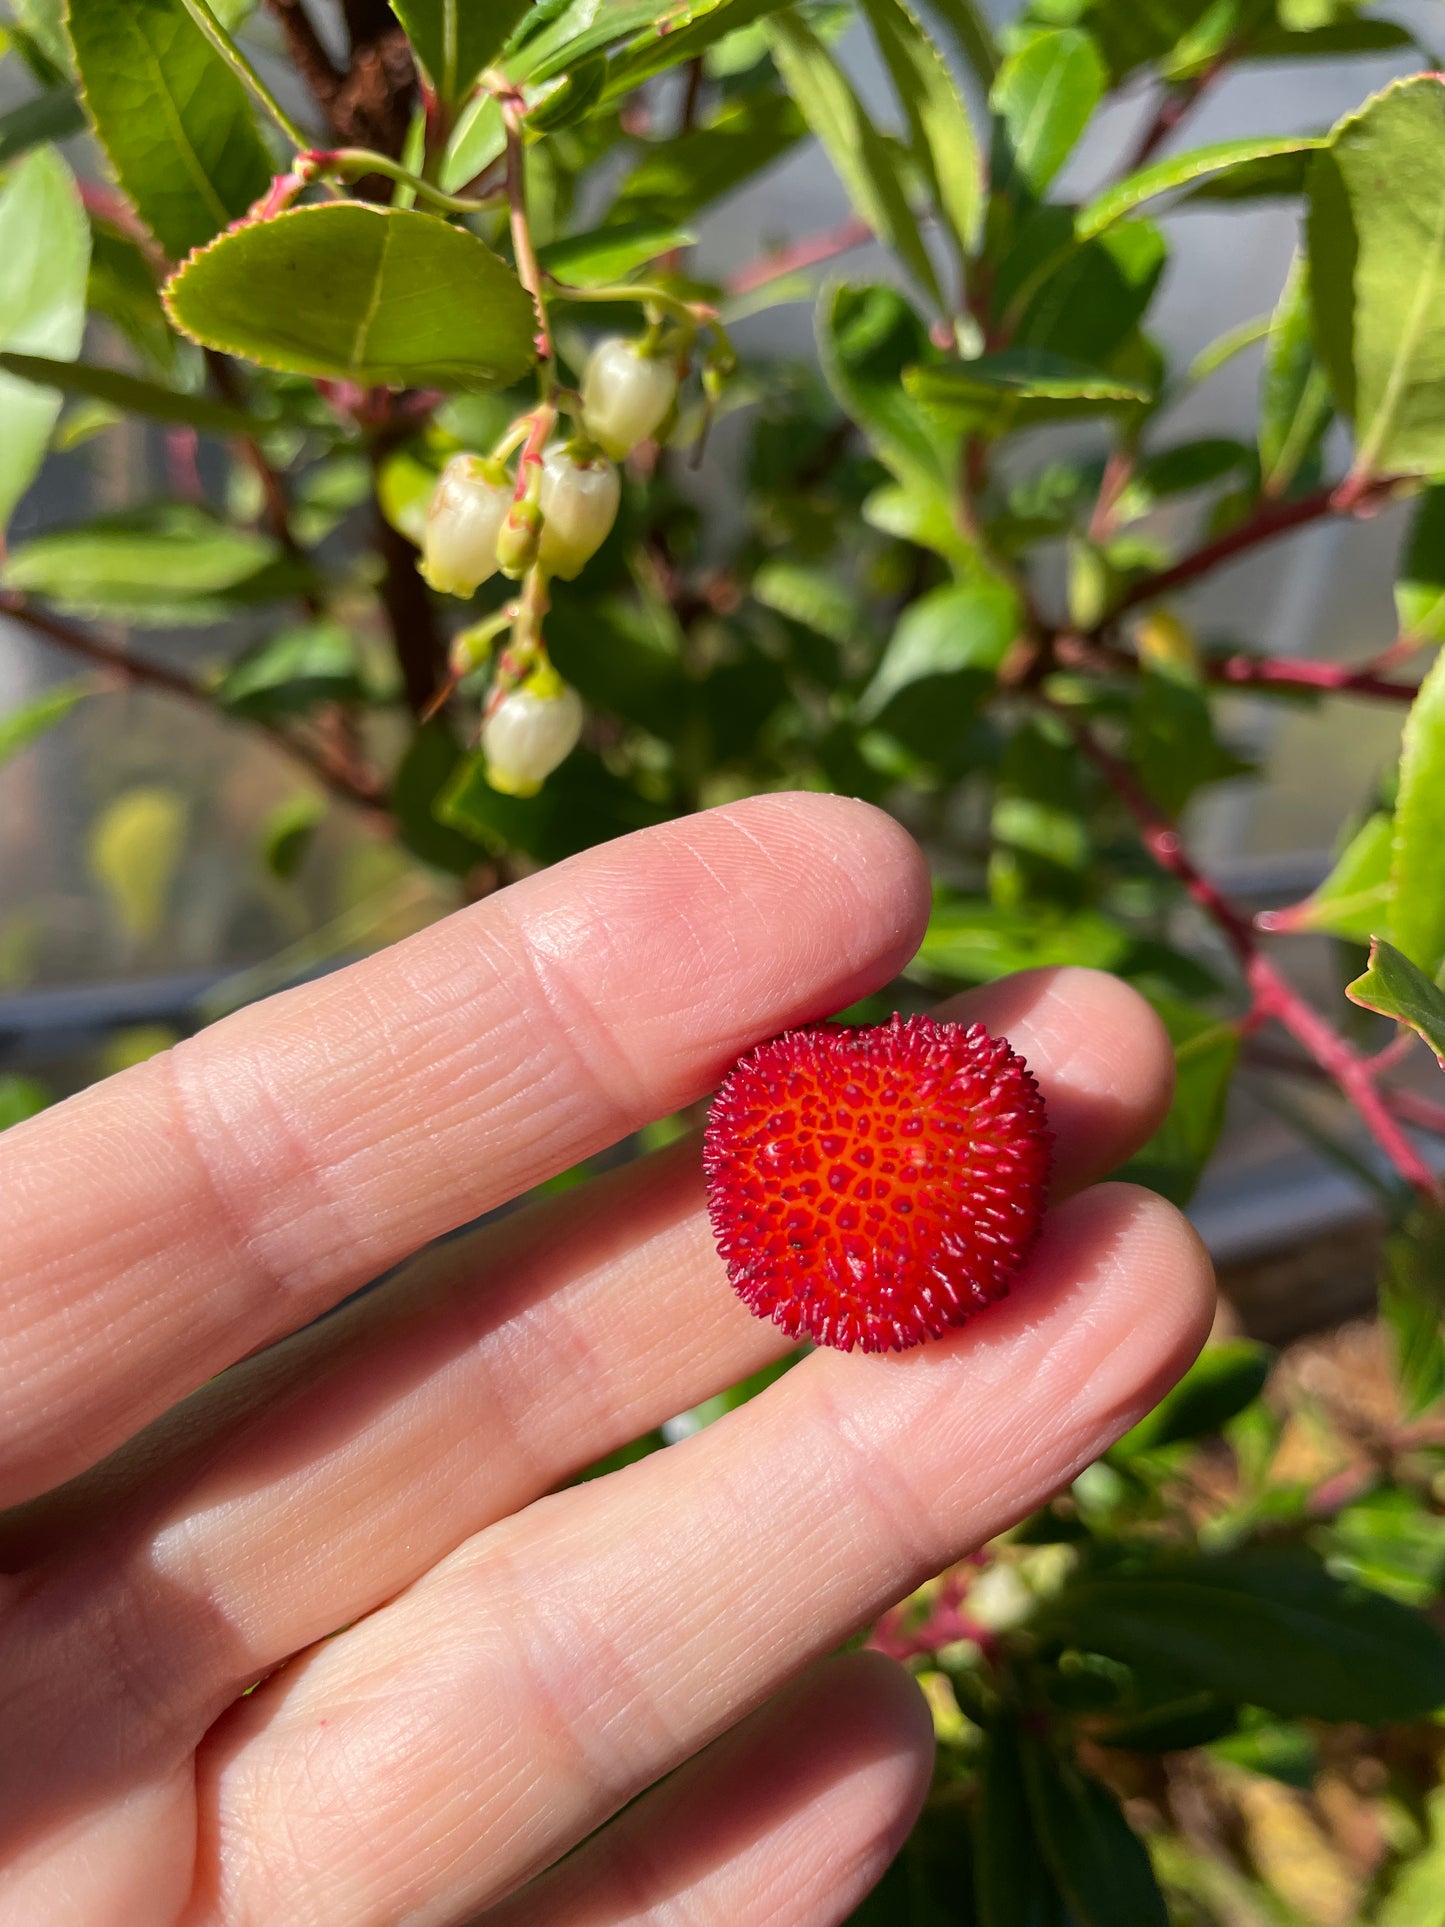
[{"x": 872, "y": 1188}]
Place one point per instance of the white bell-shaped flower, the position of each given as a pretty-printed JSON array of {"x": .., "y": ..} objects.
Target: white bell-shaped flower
[
  {"x": 578, "y": 500},
  {"x": 625, "y": 395},
  {"x": 530, "y": 732},
  {"x": 462, "y": 523}
]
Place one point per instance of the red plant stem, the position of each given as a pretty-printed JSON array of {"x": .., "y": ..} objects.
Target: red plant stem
[
  {"x": 529, "y": 273},
  {"x": 1280, "y": 672},
  {"x": 358, "y": 784},
  {"x": 1174, "y": 108},
  {"x": 1267, "y": 522},
  {"x": 1273, "y": 996},
  {"x": 1425, "y": 1112},
  {"x": 947, "y": 1620},
  {"x": 807, "y": 253},
  {"x": 1270, "y": 520},
  {"x": 182, "y": 468}
]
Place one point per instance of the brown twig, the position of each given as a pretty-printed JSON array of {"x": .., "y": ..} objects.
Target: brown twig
[
  {"x": 308, "y": 52},
  {"x": 354, "y": 781},
  {"x": 416, "y": 637},
  {"x": 1273, "y": 997}
]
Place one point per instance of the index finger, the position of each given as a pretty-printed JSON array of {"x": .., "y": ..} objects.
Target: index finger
[{"x": 166, "y": 1222}]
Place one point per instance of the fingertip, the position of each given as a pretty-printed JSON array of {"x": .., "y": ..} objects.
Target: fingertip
[
  {"x": 869, "y": 851},
  {"x": 885, "y": 1704},
  {"x": 1102, "y": 1056},
  {"x": 1151, "y": 1300}
]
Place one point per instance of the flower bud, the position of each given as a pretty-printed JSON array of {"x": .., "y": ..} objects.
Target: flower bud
[
  {"x": 579, "y": 505},
  {"x": 518, "y": 539},
  {"x": 626, "y": 395},
  {"x": 459, "y": 551},
  {"x": 530, "y": 732}
]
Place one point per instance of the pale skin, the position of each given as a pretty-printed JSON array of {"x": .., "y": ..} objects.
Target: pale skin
[{"x": 467, "y": 1667}]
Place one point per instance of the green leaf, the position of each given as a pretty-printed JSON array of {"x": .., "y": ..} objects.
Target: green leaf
[
  {"x": 172, "y": 117},
  {"x": 1134, "y": 35},
  {"x": 1216, "y": 1388},
  {"x": 1397, "y": 988},
  {"x": 866, "y": 338},
  {"x": 1277, "y": 177},
  {"x": 1018, "y": 388},
  {"x": 432, "y": 760},
  {"x": 364, "y": 294},
  {"x": 1286, "y": 1750},
  {"x": 1100, "y": 1864},
  {"x": 678, "y": 34},
  {"x": 21, "y": 727},
  {"x": 289, "y": 833},
  {"x": 170, "y": 562},
  {"x": 133, "y": 852},
  {"x": 44, "y": 22},
  {"x": 676, "y": 177},
  {"x": 1413, "y": 1899},
  {"x": 1042, "y": 847},
  {"x": 1295, "y": 405},
  {"x": 455, "y": 39},
  {"x": 123, "y": 289},
  {"x": 52, "y": 116},
  {"x": 553, "y": 38},
  {"x": 1013, "y": 1883},
  {"x": 479, "y": 138},
  {"x": 1045, "y": 96},
  {"x": 130, "y": 394},
  {"x": 1205, "y": 1050},
  {"x": 853, "y": 144},
  {"x": 972, "y": 34},
  {"x": 1412, "y": 1303},
  {"x": 1176, "y": 1727},
  {"x": 1354, "y": 900},
  {"x": 1377, "y": 266},
  {"x": 946, "y": 649},
  {"x": 1082, "y": 302},
  {"x": 21, "y": 1097},
  {"x": 608, "y": 254},
  {"x": 1420, "y": 591},
  {"x": 1333, "y": 42},
  {"x": 1182, "y": 170},
  {"x": 1180, "y": 470},
  {"x": 971, "y": 939},
  {"x": 814, "y": 597},
  {"x": 582, "y": 805},
  {"x": 1172, "y": 742},
  {"x": 1267, "y": 1629},
  {"x": 292, "y": 673},
  {"x": 943, "y": 141},
  {"x": 1417, "y": 866},
  {"x": 45, "y": 246}
]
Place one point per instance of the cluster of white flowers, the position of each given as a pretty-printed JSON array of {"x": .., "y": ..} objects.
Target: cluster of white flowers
[{"x": 479, "y": 521}]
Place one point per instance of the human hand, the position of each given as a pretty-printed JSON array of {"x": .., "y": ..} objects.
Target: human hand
[{"x": 464, "y": 1671}]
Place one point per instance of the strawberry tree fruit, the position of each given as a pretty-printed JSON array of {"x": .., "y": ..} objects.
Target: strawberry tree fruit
[
  {"x": 579, "y": 497},
  {"x": 531, "y": 731},
  {"x": 873, "y": 1188},
  {"x": 463, "y": 520},
  {"x": 626, "y": 395}
]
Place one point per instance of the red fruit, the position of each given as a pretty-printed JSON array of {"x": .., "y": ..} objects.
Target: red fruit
[{"x": 874, "y": 1187}]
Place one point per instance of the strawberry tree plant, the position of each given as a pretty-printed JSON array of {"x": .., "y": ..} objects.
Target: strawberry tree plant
[{"x": 425, "y": 287}]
